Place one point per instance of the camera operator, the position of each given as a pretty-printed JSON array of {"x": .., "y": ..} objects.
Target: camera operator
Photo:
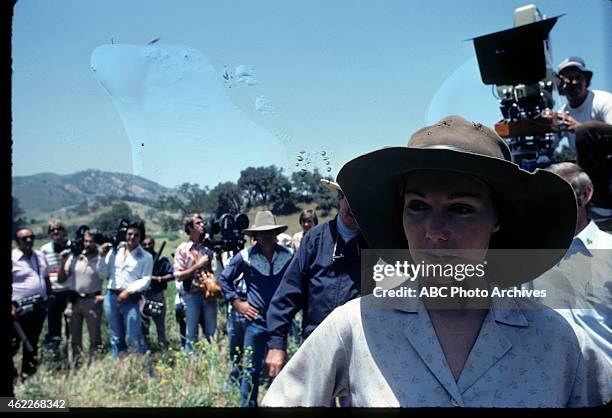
[
  {"x": 588, "y": 114},
  {"x": 128, "y": 268},
  {"x": 190, "y": 257},
  {"x": 162, "y": 274},
  {"x": 82, "y": 270},
  {"x": 30, "y": 285},
  {"x": 60, "y": 292}
]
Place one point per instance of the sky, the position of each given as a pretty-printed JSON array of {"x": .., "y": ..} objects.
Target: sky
[{"x": 233, "y": 84}]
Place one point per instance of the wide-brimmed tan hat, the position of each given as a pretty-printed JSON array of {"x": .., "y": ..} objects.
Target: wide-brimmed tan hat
[
  {"x": 265, "y": 221},
  {"x": 536, "y": 210}
]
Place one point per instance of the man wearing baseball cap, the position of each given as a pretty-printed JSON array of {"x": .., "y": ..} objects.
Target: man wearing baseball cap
[{"x": 588, "y": 114}]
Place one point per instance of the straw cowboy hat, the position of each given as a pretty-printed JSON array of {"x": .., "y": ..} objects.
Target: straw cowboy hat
[
  {"x": 536, "y": 210},
  {"x": 265, "y": 221}
]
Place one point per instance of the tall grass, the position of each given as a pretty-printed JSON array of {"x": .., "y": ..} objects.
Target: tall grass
[
  {"x": 159, "y": 379},
  {"x": 170, "y": 378}
]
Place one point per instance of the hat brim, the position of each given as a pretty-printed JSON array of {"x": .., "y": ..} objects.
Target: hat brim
[
  {"x": 536, "y": 210},
  {"x": 278, "y": 229},
  {"x": 331, "y": 186}
]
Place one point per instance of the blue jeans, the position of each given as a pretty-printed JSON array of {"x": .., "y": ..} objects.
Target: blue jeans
[
  {"x": 236, "y": 328},
  {"x": 123, "y": 318},
  {"x": 255, "y": 339},
  {"x": 198, "y": 309}
]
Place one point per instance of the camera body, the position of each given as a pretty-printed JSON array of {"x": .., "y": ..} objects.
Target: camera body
[
  {"x": 77, "y": 245},
  {"x": 518, "y": 62},
  {"x": 225, "y": 234}
]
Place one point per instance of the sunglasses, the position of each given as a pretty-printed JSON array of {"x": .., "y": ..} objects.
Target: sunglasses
[{"x": 26, "y": 238}]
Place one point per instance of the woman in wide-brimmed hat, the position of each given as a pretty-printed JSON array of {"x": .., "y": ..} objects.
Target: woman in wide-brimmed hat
[{"x": 452, "y": 197}]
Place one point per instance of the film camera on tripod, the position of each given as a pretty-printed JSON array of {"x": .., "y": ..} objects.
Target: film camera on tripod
[
  {"x": 229, "y": 227},
  {"x": 518, "y": 63}
]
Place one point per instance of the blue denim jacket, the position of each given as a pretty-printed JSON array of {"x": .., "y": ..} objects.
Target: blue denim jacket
[{"x": 261, "y": 277}]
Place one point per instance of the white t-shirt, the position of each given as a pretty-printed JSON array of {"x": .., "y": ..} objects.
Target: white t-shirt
[{"x": 597, "y": 106}]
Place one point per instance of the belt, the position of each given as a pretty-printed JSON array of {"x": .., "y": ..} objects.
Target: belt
[
  {"x": 88, "y": 295},
  {"x": 115, "y": 291}
]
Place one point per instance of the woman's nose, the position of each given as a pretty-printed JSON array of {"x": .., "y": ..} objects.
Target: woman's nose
[{"x": 437, "y": 228}]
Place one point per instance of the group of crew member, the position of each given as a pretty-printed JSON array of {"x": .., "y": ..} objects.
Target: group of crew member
[
  {"x": 315, "y": 271},
  {"x": 137, "y": 278}
]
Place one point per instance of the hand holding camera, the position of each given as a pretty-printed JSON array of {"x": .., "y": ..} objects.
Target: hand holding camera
[{"x": 105, "y": 248}]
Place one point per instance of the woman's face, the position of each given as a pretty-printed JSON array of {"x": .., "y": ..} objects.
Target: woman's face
[{"x": 447, "y": 211}]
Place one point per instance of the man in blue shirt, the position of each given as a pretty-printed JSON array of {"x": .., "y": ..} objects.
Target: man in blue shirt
[
  {"x": 324, "y": 274},
  {"x": 262, "y": 266}
]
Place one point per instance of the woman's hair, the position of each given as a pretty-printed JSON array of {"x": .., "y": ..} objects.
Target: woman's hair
[
  {"x": 55, "y": 224},
  {"x": 189, "y": 221},
  {"x": 309, "y": 213}
]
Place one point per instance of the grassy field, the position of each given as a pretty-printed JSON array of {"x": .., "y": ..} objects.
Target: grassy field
[
  {"x": 168, "y": 378},
  {"x": 159, "y": 379}
]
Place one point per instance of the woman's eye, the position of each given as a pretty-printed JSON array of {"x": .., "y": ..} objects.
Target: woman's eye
[
  {"x": 462, "y": 209},
  {"x": 416, "y": 206}
]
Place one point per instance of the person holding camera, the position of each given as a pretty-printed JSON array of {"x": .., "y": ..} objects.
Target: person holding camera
[
  {"x": 155, "y": 300},
  {"x": 30, "y": 287},
  {"x": 262, "y": 267},
  {"x": 128, "y": 269},
  {"x": 82, "y": 270},
  {"x": 59, "y": 299},
  {"x": 192, "y": 259},
  {"x": 588, "y": 114}
]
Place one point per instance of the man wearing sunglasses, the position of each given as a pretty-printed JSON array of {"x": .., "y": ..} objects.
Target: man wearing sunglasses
[
  {"x": 588, "y": 117},
  {"x": 30, "y": 286},
  {"x": 324, "y": 274}
]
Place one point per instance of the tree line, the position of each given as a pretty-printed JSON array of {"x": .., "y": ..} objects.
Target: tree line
[{"x": 266, "y": 187}]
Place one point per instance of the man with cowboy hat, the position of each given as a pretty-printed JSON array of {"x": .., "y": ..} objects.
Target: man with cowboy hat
[
  {"x": 262, "y": 267},
  {"x": 324, "y": 274},
  {"x": 453, "y": 192},
  {"x": 588, "y": 116}
]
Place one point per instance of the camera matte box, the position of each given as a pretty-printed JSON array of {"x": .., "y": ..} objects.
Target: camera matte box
[{"x": 514, "y": 56}]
